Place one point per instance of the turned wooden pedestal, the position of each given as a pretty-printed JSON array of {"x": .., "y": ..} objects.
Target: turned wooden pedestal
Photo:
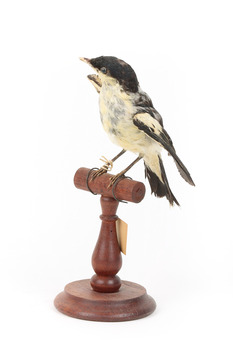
[{"x": 105, "y": 297}]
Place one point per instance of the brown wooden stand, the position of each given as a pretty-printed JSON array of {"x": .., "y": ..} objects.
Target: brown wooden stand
[{"x": 105, "y": 297}]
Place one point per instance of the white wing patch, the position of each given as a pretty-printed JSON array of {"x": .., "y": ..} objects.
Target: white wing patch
[{"x": 150, "y": 122}]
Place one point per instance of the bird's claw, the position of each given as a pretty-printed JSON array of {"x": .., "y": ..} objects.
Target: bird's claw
[
  {"x": 98, "y": 172},
  {"x": 115, "y": 178}
]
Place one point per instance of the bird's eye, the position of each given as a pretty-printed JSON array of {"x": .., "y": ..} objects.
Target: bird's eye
[{"x": 103, "y": 70}]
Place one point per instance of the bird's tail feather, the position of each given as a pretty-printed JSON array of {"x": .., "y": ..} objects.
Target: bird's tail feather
[
  {"x": 182, "y": 169},
  {"x": 159, "y": 188}
]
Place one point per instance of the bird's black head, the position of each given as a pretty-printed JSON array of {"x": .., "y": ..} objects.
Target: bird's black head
[{"x": 118, "y": 69}]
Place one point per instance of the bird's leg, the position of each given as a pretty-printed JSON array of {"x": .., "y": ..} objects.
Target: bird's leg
[
  {"x": 107, "y": 166},
  {"x": 114, "y": 178}
]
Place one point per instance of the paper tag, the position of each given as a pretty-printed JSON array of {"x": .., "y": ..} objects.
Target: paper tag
[{"x": 121, "y": 229}]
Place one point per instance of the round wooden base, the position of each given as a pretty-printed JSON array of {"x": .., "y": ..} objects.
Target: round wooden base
[{"x": 79, "y": 300}]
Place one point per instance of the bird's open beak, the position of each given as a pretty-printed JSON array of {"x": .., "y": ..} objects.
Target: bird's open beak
[{"x": 94, "y": 78}]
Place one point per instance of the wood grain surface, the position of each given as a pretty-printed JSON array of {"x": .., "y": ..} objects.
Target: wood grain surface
[
  {"x": 126, "y": 189},
  {"x": 131, "y": 302}
]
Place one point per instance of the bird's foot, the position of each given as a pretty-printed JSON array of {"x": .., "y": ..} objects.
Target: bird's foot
[
  {"x": 116, "y": 178},
  {"x": 104, "y": 169},
  {"x": 98, "y": 172}
]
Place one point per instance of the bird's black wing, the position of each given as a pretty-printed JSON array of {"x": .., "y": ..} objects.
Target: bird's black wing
[
  {"x": 144, "y": 105},
  {"x": 151, "y": 126}
]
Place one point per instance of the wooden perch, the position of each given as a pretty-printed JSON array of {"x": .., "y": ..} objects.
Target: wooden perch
[{"x": 126, "y": 189}]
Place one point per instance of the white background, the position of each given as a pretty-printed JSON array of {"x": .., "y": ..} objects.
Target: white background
[{"x": 50, "y": 126}]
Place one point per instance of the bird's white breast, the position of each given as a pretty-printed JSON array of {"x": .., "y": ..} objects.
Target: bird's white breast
[{"x": 116, "y": 111}]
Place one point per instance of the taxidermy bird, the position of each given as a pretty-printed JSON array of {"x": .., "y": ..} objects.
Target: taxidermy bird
[{"x": 131, "y": 121}]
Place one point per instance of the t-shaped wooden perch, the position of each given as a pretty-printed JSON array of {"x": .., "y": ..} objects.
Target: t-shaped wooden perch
[{"x": 105, "y": 297}]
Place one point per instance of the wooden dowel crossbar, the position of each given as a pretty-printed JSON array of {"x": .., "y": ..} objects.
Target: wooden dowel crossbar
[{"x": 126, "y": 189}]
